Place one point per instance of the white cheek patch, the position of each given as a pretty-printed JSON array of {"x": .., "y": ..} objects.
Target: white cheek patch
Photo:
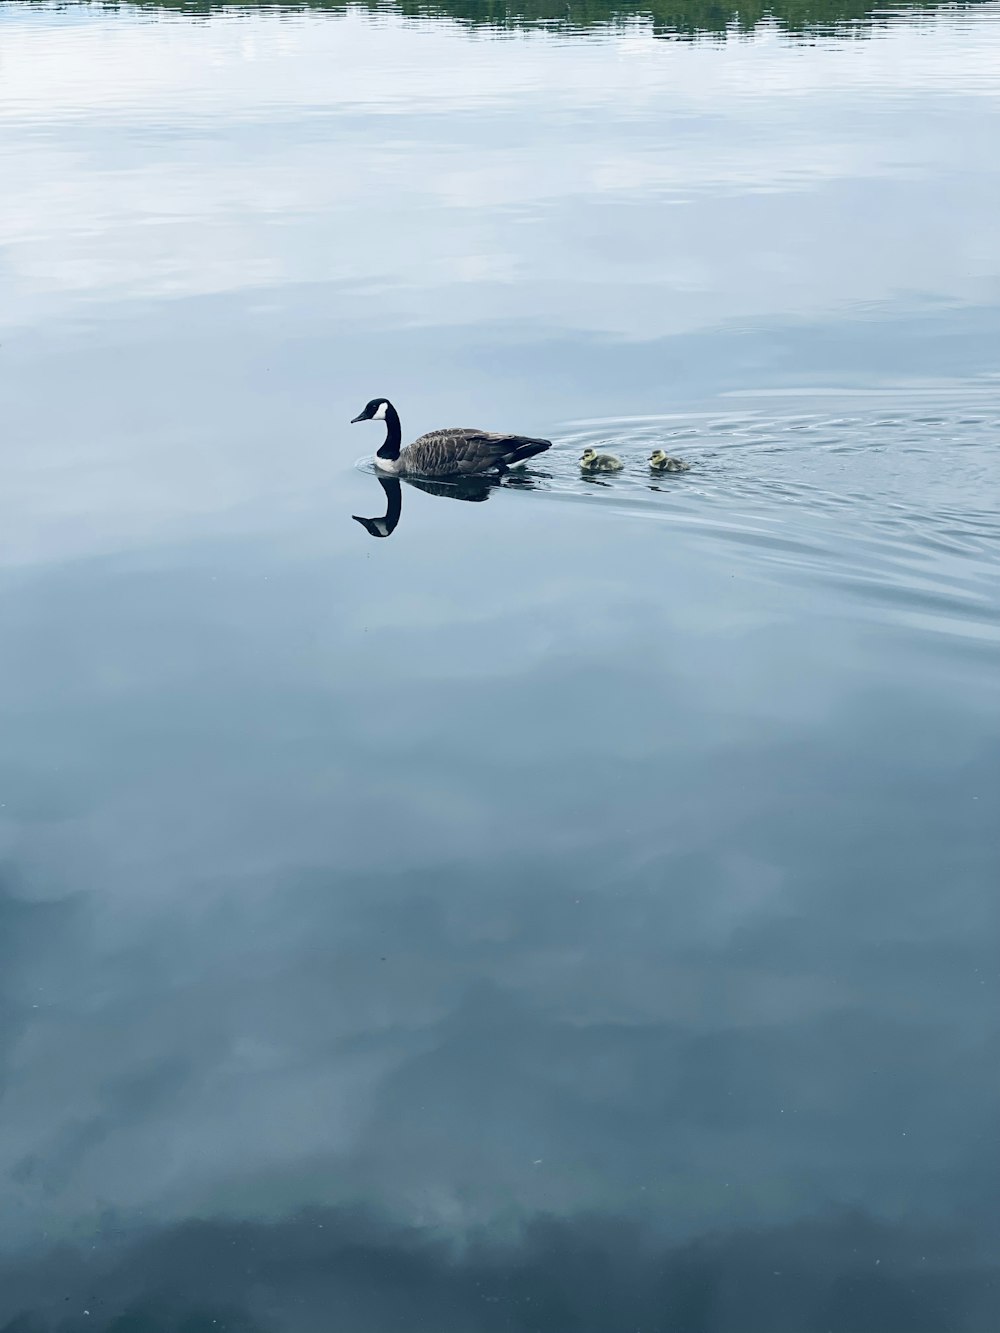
[{"x": 380, "y": 414}]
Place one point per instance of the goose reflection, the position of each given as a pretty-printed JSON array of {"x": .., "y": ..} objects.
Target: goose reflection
[
  {"x": 474, "y": 489},
  {"x": 386, "y": 525}
]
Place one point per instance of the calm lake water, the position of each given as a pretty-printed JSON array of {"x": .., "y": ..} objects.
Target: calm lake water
[{"x": 577, "y": 913}]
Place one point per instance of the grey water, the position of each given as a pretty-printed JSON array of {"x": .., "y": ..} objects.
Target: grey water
[{"x": 577, "y": 909}]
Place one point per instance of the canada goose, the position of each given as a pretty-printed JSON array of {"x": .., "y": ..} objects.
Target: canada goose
[
  {"x": 592, "y": 461},
  {"x": 455, "y": 452},
  {"x": 661, "y": 462}
]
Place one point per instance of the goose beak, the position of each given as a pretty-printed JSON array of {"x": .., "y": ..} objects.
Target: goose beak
[{"x": 355, "y": 420}]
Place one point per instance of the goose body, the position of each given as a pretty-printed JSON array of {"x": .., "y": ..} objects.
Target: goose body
[
  {"x": 455, "y": 452},
  {"x": 592, "y": 461},
  {"x": 662, "y": 462}
]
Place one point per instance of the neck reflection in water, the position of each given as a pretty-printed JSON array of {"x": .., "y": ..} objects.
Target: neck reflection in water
[{"x": 460, "y": 488}]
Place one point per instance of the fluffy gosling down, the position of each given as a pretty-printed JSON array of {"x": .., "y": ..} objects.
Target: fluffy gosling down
[
  {"x": 661, "y": 462},
  {"x": 592, "y": 461}
]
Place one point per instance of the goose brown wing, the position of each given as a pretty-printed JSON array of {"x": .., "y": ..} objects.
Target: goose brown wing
[{"x": 464, "y": 451}]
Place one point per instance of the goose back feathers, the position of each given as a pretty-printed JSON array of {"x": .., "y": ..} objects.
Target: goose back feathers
[{"x": 467, "y": 452}]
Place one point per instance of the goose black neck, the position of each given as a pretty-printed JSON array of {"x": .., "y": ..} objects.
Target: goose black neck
[{"x": 393, "y": 434}]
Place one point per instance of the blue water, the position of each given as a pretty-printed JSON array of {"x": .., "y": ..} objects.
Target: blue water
[{"x": 579, "y": 910}]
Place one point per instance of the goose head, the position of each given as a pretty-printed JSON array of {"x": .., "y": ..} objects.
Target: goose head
[
  {"x": 376, "y": 410},
  {"x": 657, "y": 458},
  {"x": 589, "y": 457}
]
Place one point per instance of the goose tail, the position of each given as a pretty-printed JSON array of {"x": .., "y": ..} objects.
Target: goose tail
[{"x": 525, "y": 447}]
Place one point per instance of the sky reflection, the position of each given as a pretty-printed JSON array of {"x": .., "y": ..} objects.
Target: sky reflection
[{"x": 157, "y": 160}]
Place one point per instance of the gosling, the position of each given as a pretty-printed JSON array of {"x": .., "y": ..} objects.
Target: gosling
[
  {"x": 592, "y": 461},
  {"x": 661, "y": 462}
]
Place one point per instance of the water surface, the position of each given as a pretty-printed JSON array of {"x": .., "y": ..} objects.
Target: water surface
[{"x": 578, "y": 910}]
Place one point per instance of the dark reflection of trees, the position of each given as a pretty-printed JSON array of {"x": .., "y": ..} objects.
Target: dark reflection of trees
[
  {"x": 669, "y": 18},
  {"x": 475, "y": 489}
]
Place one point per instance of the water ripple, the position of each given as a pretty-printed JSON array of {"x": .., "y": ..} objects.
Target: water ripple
[{"x": 896, "y": 509}]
